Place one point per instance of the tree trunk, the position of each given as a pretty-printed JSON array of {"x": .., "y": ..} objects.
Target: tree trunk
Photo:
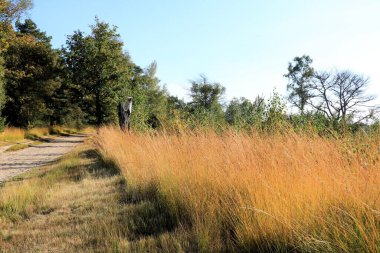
[{"x": 99, "y": 119}]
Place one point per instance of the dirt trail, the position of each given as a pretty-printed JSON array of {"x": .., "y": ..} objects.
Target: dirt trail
[{"x": 15, "y": 163}]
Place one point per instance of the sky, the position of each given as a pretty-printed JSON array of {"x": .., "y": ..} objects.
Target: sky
[{"x": 244, "y": 45}]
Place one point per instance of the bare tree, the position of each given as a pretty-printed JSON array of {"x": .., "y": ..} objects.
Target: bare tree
[{"x": 341, "y": 95}]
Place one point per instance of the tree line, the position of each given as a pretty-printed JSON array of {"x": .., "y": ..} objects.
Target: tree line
[{"x": 82, "y": 82}]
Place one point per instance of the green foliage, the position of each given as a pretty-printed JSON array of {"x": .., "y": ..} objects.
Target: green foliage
[
  {"x": 205, "y": 94},
  {"x": 206, "y": 102},
  {"x": 10, "y": 10},
  {"x": 299, "y": 74},
  {"x": 2, "y": 93},
  {"x": 32, "y": 77},
  {"x": 150, "y": 100},
  {"x": 97, "y": 71},
  {"x": 312, "y": 122},
  {"x": 84, "y": 81},
  {"x": 243, "y": 113},
  {"x": 275, "y": 113}
]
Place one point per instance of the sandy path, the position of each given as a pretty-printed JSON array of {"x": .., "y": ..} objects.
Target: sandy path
[{"x": 15, "y": 163}]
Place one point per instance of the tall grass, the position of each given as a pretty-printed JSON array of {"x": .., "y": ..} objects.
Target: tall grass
[
  {"x": 22, "y": 199},
  {"x": 256, "y": 192},
  {"x": 12, "y": 134}
]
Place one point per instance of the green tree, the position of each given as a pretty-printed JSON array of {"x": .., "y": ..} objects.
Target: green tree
[
  {"x": 275, "y": 113},
  {"x": 32, "y": 76},
  {"x": 2, "y": 93},
  {"x": 156, "y": 98},
  {"x": 97, "y": 71},
  {"x": 206, "y": 105},
  {"x": 10, "y": 10},
  {"x": 299, "y": 75},
  {"x": 244, "y": 113},
  {"x": 149, "y": 98}
]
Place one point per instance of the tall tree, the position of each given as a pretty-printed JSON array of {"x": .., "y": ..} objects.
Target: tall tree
[
  {"x": 32, "y": 76},
  {"x": 299, "y": 75},
  {"x": 98, "y": 70},
  {"x": 2, "y": 93},
  {"x": 10, "y": 10},
  {"x": 149, "y": 97},
  {"x": 156, "y": 97}
]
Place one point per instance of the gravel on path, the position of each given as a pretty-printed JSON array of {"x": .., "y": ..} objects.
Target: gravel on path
[{"x": 17, "y": 162}]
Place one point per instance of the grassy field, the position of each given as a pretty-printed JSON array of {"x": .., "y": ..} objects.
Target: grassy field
[
  {"x": 236, "y": 192},
  {"x": 199, "y": 192},
  {"x": 80, "y": 204},
  {"x": 71, "y": 206}
]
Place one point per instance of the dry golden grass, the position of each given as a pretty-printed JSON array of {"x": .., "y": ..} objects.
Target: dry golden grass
[
  {"x": 80, "y": 204},
  {"x": 12, "y": 134},
  {"x": 71, "y": 206},
  {"x": 261, "y": 193},
  {"x": 39, "y": 131}
]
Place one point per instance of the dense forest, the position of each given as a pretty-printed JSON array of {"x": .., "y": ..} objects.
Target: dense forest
[{"x": 82, "y": 82}]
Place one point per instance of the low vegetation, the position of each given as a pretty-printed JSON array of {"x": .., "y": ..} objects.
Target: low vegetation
[
  {"x": 254, "y": 192},
  {"x": 67, "y": 207},
  {"x": 17, "y": 147},
  {"x": 12, "y": 134},
  {"x": 21, "y": 137},
  {"x": 81, "y": 204}
]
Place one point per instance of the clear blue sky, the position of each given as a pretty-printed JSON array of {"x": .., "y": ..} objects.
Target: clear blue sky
[{"x": 245, "y": 45}]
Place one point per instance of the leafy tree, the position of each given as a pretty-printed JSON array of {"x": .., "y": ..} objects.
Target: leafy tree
[
  {"x": 156, "y": 97},
  {"x": 28, "y": 27},
  {"x": 206, "y": 95},
  {"x": 206, "y": 104},
  {"x": 2, "y": 93},
  {"x": 75, "y": 60},
  {"x": 244, "y": 113},
  {"x": 32, "y": 76},
  {"x": 176, "y": 103},
  {"x": 97, "y": 70},
  {"x": 150, "y": 99},
  {"x": 10, "y": 10},
  {"x": 106, "y": 59},
  {"x": 275, "y": 113},
  {"x": 177, "y": 114},
  {"x": 300, "y": 74}
]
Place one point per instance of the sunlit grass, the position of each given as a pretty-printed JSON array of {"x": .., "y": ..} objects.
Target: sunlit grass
[
  {"x": 17, "y": 147},
  {"x": 21, "y": 199},
  {"x": 251, "y": 192},
  {"x": 38, "y": 131},
  {"x": 12, "y": 134}
]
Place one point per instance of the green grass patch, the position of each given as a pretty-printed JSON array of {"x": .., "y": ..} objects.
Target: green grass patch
[
  {"x": 16, "y": 147},
  {"x": 20, "y": 146}
]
